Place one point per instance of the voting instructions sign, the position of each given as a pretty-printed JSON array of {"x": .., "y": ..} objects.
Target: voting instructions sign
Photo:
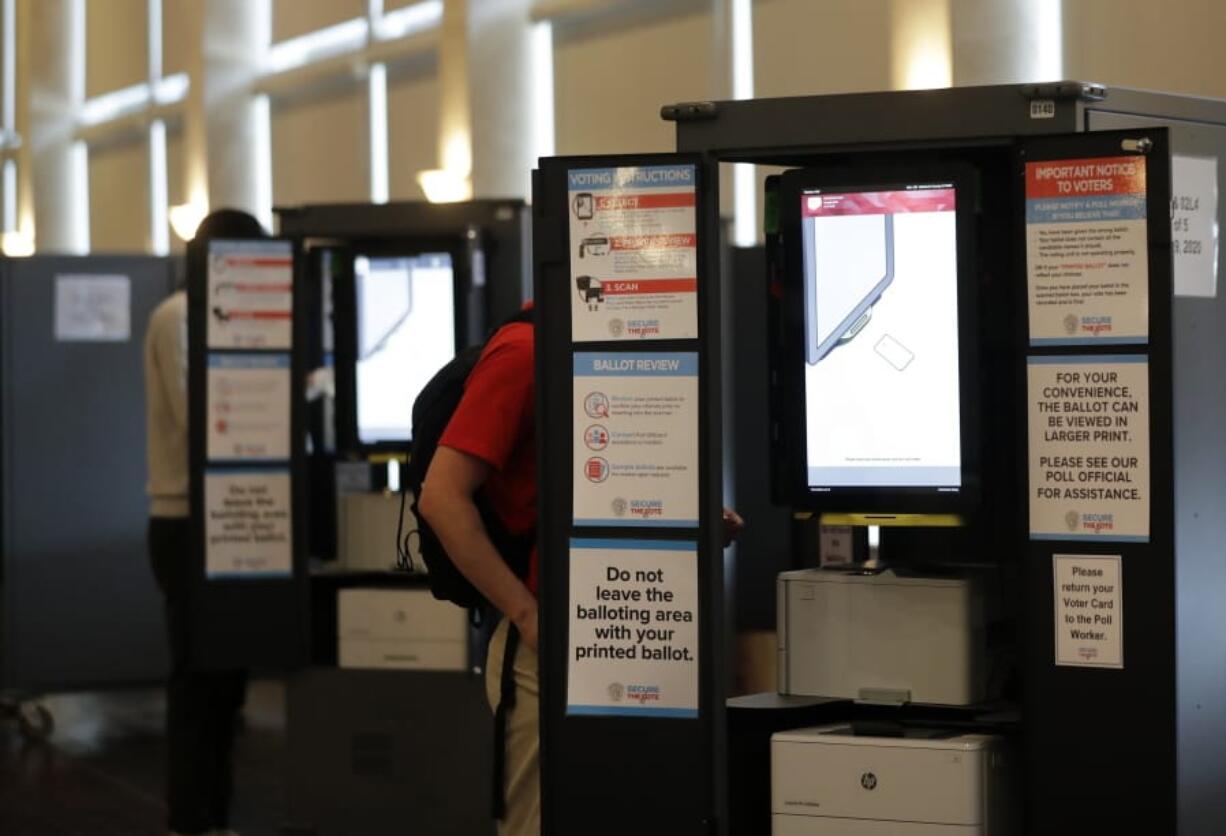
[
  {"x": 250, "y": 294},
  {"x": 633, "y": 253}
]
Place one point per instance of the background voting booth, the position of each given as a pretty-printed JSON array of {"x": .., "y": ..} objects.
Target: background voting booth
[
  {"x": 985, "y": 320},
  {"x": 308, "y": 352},
  {"x": 72, "y": 450}
]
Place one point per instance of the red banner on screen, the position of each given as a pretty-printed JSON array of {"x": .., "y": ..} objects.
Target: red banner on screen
[{"x": 877, "y": 203}]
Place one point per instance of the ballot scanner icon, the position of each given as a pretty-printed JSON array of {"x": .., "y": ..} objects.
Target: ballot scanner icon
[{"x": 591, "y": 291}]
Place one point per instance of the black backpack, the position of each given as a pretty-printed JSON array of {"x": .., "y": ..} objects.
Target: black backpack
[{"x": 432, "y": 411}]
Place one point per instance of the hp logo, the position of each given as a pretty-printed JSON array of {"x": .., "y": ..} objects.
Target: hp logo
[{"x": 869, "y": 781}]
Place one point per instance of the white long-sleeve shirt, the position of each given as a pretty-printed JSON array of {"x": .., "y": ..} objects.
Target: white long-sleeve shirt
[{"x": 166, "y": 408}]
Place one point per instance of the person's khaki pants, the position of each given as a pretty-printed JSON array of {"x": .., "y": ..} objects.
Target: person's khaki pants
[{"x": 523, "y": 772}]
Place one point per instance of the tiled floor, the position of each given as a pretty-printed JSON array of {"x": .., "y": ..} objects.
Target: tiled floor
[{"x": 101, "y": 773}]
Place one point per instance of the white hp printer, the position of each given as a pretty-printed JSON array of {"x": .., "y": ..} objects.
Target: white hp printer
[
  {"x": 882, "y": 637},
  {"x": 400, "y": 628},
  {"x": 826, "y": 781}
]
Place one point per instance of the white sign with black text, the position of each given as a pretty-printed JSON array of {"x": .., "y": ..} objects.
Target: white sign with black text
[
  {"x": 1089, "y": 448},
  {"x": 1089, "y": 610},
  {"x": 633, "y": 628},
  {"x": 247, "y": 523}
]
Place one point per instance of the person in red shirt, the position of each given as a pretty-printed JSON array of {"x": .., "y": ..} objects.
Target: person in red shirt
[{"x": 490, "y": 444}]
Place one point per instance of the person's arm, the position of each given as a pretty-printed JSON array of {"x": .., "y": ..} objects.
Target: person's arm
[{"x": 446, "y": 503}]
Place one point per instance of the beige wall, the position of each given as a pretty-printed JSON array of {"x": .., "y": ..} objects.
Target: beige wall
[
  {"x": 610, "y": 82},
  {"x": 116, "y": 44},
  {"x": 291, "y": 18},
  {"x": 1174, "y": 46},
  {"x": 803, "y": 47},
  {"x": 412, "y": 131},
  {"x": 320, "y": 150},
  {"x": 119, "y": 198}
]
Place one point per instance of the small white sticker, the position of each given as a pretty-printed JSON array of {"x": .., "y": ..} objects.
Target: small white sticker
[
  {"x": 94, "y": 309},
  {"x": 1043, "y": 109},
  {"x": 835, "y": 545},
  {"x": 1194, "y": 225}
]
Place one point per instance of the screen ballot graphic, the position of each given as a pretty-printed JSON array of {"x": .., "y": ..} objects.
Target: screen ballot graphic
[
  {"x": 635, "y": 439},
  {"x": 633, "y": 628},
  {"x": 881, "y": 374},
  {"x": 633, "y": 253},
  {"x": 250, "y": 294}
]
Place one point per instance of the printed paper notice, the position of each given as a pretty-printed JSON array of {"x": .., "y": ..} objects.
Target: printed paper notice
[
  {"x": 96, "y": 309},
  {"x": 247, "y": 523},
  {"x": 1194, "y": 226},
  {"x": 633, "y": 253},
  {"x": 1089, "y": 448},
  {"x": 636, "y": 439},
  {"x": 248, "y": 407},
  {"x": 633, "y": 628},
  {"x": 1089, "y": 611},
  {"x": 251, "y": 297},
  {"x": 1087, "y": 251}
]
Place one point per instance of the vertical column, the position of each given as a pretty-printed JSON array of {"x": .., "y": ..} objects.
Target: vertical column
[
  {"x": 236, "y": 37},
  {"x": 733, "y": 78},
  {"x": 919, "y": 44},
  {"x": 451, "y": 180},
  {"x": 501, "y": 93},
  {"x": 496, "y": 91},
  {"x": 226, "y": 131},
  {"x": 1006, "y": 41},
  {"x": 58, "y": 166}
]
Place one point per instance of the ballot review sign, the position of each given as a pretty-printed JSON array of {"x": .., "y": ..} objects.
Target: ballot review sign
[
  {"x": 635, "y": 439},
  {"x": 633, "y": 253},
  {"x": 633, "y": 628},
  {"x": 1087, "y": 251}
]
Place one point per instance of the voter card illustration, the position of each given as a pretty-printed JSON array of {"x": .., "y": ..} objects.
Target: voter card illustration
[
  {"x": 848, "y": 264},
  {"x": 894, "y": 352}
]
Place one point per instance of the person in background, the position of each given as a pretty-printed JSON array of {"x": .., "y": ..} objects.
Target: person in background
[{"x": 201, "y": 706}]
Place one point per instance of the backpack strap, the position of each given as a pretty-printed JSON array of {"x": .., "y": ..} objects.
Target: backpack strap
[{"x": 506, "y": 701}]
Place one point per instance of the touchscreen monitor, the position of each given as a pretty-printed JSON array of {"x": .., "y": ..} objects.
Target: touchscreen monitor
[
  {"x": 880, "y": 386},
  {"x": 405, "y": 317}
]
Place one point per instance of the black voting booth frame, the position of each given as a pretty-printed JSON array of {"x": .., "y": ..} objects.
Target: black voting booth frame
[
  {"x": 371, "y": 751},
  {"x": 1128, "y": 750}
]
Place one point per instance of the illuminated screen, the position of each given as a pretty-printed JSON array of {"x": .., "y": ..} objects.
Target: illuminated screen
[
  {"x": 405, "y": 334},
  {"x": 881, "y": 376}
]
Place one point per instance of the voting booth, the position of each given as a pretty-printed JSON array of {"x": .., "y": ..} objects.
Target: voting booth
[
  {"x": 994, "y": 337},
  {"x": 79, "y": 607},
  {"x": 308, "y": 350}
]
